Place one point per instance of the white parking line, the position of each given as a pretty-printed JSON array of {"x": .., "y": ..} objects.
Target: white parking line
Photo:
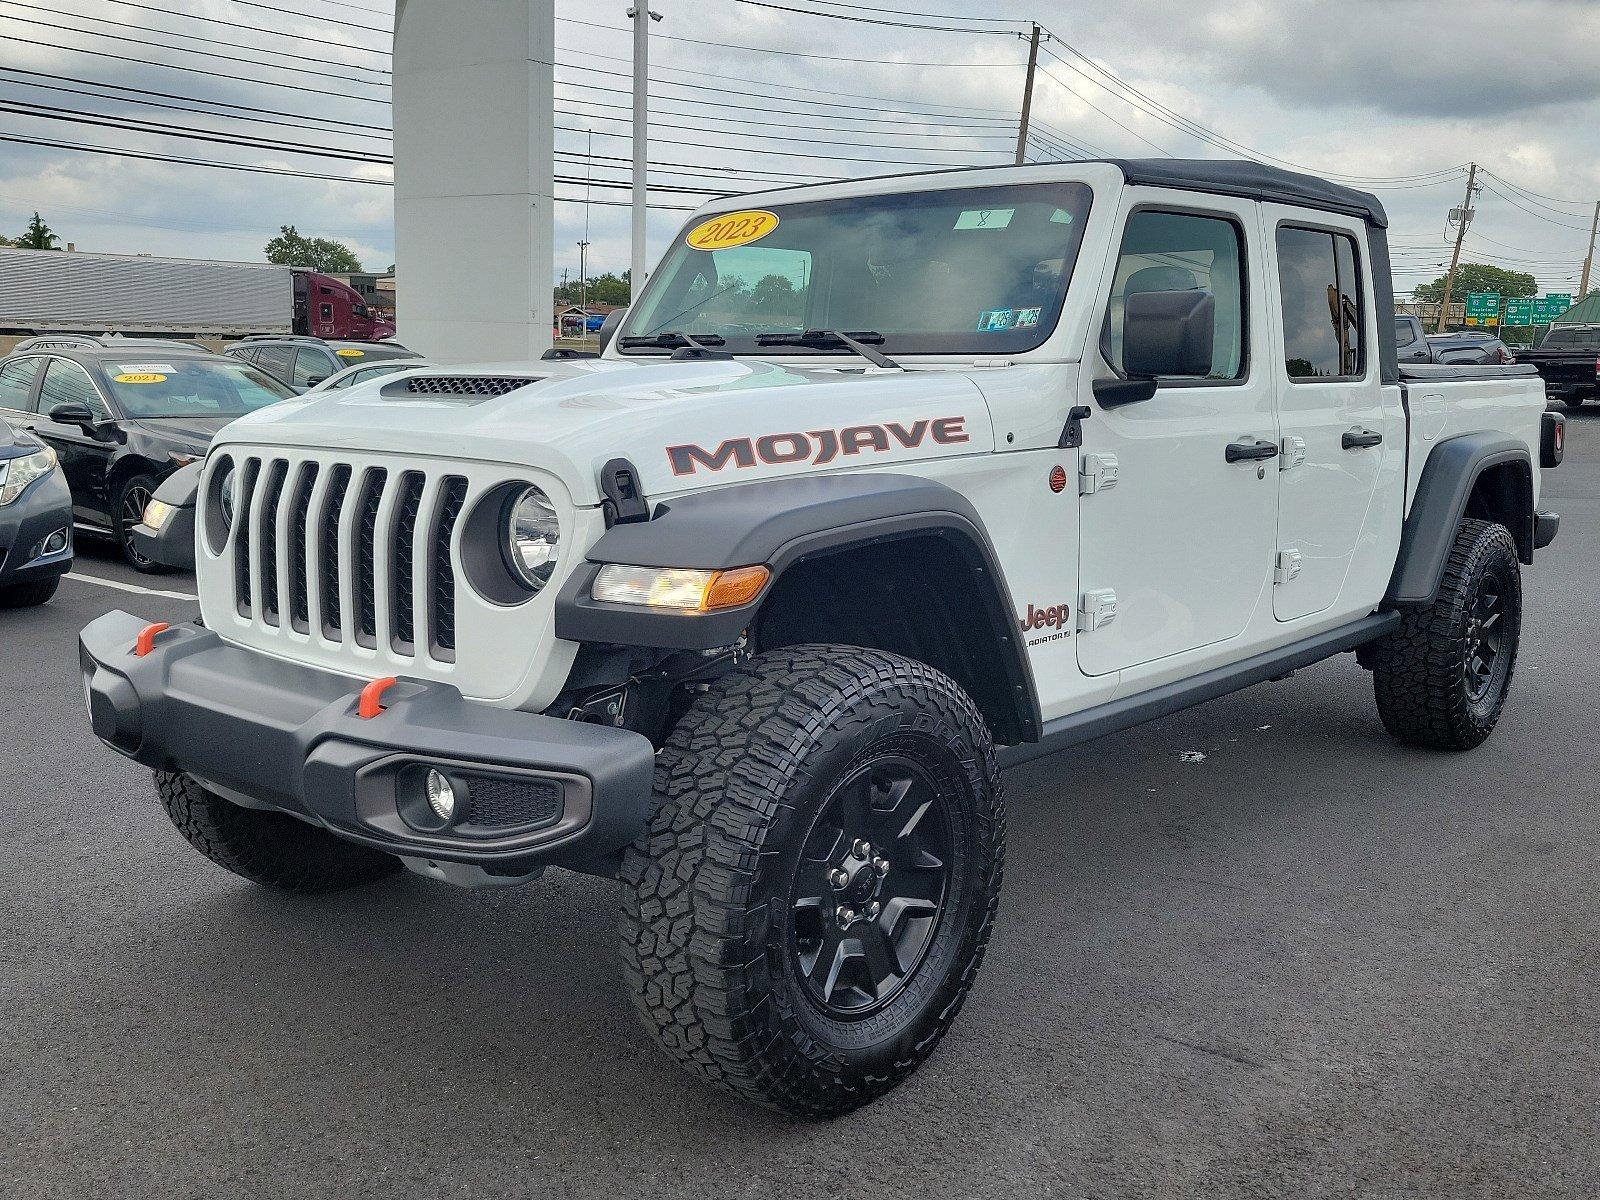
[{"x": 130, "y": 587}]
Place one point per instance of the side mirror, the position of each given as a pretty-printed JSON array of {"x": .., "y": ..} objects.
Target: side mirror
[
  {"x": 1169, "y": 334},
  {"x": 74, "y": 414},
  {"x": 608, "y": 327},
  {"x": 315, "y": 379}
]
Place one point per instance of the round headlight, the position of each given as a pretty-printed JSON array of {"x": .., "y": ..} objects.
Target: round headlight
[
  {"x": 533, "y": 537},
  {"x": 228, "y": 493},
  {"x": 441, "y": 795}
]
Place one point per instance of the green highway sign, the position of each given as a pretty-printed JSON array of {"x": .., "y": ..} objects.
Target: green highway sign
[
  {"x": 1547, "y": 308},
  {"x": 1483, "y": 308},
  {"x": 1519, "y": 310}
]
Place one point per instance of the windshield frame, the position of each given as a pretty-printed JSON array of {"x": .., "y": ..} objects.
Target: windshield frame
[
  {"x": 1074, "y": 196},
  {"x": 117, "y": 393}
]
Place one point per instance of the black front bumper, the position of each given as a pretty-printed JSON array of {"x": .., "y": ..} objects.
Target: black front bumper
[
  {"x": 281, "y": 736},
  {"x": 26, "y": 524}
]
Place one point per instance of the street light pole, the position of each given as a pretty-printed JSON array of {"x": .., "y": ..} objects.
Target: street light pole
[
  {"x": 641, "y": 17},
  {"x": 1588, "y": 263}
]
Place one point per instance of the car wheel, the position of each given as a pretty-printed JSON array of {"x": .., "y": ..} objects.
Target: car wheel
[
  {"x": 805, "y": 912},
  {"x": 128, "y": 510},
  {"x": 1441, "y": 680}
]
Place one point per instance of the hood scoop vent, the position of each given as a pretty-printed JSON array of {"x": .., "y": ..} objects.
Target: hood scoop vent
[{"x": 464, "y": 386}]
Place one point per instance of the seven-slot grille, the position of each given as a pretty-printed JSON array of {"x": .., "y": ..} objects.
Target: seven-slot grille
[{"x": 361, "y": 552}]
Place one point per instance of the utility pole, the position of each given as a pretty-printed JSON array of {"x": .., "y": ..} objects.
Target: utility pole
[
  {"x": 641, "y": 17},
  {"x": 1027, "y": 96},
  {"x": 1461, "y": 236},
  {"x": 1588, "y": 263},
  {"x": 583, "y": 281}
]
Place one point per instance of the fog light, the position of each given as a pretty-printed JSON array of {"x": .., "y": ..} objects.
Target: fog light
[
  {"x": 441, "y": 796},
  {"x": 56, "y": 542}
]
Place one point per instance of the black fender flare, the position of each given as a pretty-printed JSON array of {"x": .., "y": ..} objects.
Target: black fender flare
[
  {"x": 1448, "y": 477},
  {"x": 780, "y": 523},
  {"x": 173, "y": 545}
]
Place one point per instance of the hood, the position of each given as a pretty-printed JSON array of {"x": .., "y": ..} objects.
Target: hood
[
  {"x": 189, "y": 431},
  {"x": 685, "y": 426}
]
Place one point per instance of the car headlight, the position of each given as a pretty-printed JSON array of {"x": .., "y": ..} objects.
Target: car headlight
[
  {"x": 228, "y": 494},
  {"x": 679, "y": 589},
  {"x": 533, "y": 538},
  {"x": 20, "y": 472},
  {"x": 157, "y": 513}
]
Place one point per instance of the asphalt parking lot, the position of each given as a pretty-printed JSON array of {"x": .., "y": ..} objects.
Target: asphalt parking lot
[{"x": 1311, "y": 963}]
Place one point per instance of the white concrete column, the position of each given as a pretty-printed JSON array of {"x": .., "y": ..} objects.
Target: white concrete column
[{"x": 474, "y": 147}]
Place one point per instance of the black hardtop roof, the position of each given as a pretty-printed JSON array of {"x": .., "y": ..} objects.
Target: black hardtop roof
[{"x": 1252, "y": 180}]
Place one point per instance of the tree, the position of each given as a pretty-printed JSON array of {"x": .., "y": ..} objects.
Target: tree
[
  {"x": 291, "y": 249},
  {"x": 39, "y": 236},
  {"x": 1480, "y": 277}
]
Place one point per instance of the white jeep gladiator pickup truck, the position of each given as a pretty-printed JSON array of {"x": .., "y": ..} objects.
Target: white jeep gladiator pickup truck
[{"x": 880, "y": 487}]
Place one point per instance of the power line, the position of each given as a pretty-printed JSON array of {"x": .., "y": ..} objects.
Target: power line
[
  {"x": 1051, "y": 76},
  {"x": 1531, "y": 212},
  {"x": 282, "y": 33},
  {"x": 806, "y": 12},
  {"x": 765, "y": 137}
]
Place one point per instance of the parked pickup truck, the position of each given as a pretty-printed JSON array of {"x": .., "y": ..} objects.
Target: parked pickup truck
[
  {"x": 1569, "y": 360},
  {"x": 882, "y": 487}
]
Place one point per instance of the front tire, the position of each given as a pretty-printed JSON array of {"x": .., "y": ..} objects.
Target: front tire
[
  {"x": 807, "y": 909},
  {"x": 1441, "y": 680},
  {"x": 127, "y": 511},
  {"x": 29, "y": 595},
  {"x": 268, "y": 848}
]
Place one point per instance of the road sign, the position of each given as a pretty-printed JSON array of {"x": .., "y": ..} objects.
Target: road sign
[
  {"x": 1547, "y": 308},
  {"x": 1519, "y": 310},
  {"x": 1483, "y": 308}
]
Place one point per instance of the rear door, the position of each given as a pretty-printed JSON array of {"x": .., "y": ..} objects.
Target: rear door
[
  {"x": 1330, "y": 404},
  {"x": 1180, "y": 542}
]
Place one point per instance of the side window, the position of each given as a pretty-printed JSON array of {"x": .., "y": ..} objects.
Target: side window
[
  {"x": 1405, "y": 334},
  {"x": 308, "y": 365},
  {"x": 1180, "y": 252},
  {"x": 276, "y": 360},
  {"x": 325, "y": 312},
  {"x": 67, "y": 383},
  {"x": 16, "y": 384},
  {"x": 1324, "y": 306}
]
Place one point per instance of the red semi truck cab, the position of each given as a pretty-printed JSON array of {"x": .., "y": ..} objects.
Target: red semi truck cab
[{"x": 326, "y": 308}]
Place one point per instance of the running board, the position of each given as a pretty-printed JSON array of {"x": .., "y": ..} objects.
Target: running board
[{"x": 1169, "y": 698}]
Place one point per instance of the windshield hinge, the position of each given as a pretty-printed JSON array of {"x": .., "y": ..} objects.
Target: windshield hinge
[
  {"x": 1072, "y": 435},
  {"x": 624, "y": 499}
]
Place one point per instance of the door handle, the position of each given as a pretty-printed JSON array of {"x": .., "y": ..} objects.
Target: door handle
[
  {"x": 1251, "y": 451},
  {"x": 1361, "y": 439}
]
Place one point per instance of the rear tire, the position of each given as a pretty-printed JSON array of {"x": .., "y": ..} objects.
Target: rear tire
[
  {"x": 1441, "y": 680},
  {"x": 268, "y": 848},
  {"x": 807, "y": 909},
  {"x": 29, "y": 595}
]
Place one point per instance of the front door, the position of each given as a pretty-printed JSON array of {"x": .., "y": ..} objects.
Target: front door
[
  {"x": 84, "y": 458},
  {"x": 1330, "y": 406},
  {"x": 1180, "y": 546}
]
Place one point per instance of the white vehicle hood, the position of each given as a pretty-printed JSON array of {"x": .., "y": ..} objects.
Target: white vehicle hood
[{"x": 685, "y": 426}]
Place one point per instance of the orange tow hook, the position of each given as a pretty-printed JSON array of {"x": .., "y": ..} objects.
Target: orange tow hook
[
  {"x": 146, "y": 641},
  {"x": 371, "y": 704}
]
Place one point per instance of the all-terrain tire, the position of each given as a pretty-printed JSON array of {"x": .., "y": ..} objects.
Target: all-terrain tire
[
  {"x": 715, "y": 925},
  {"x": 1429, "y": 679},
  {"x": 267, "y": 847},
  {"x": 28, "y": 595}
]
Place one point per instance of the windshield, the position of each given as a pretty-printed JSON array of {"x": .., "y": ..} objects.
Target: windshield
[
  {"x": 964, "y": 271},
  {"x": 190, "y": 387}
]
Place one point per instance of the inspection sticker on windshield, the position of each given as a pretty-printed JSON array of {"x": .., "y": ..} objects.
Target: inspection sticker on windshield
[
  {"x": 986, "y": 218},
  {"x": 140, "y": 377},
  {"x": 1027, "y": 318},
  {"x": 732, "y": 229},
  {"x": 351, "y": 353},
  {"x": 997, "y": 320},
  {"x": 147, "y": 368}
]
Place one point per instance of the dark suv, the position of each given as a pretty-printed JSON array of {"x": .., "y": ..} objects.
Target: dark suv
[
  {"x": 304, "y": 362},
  {"x": 120, "y": 420}
]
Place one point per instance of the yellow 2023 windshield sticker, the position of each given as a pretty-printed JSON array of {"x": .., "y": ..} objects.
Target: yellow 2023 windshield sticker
[
  {"x": 141, "y": 377},
  {"x": 350, "y": 352},
  {"x": 732, "y": 229}
]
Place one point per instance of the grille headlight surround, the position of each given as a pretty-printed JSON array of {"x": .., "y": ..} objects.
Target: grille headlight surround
[
  {"x": 533, "y": 538},
  {"x": 17, "y": 473}
]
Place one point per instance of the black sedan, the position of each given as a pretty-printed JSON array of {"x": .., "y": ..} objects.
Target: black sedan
[
  {"x": 122, "y": 420},
  {"x": 35, "y": 520}
]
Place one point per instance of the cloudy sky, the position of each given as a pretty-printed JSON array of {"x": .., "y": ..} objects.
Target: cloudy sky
[{"x": 1398, "y": 95}]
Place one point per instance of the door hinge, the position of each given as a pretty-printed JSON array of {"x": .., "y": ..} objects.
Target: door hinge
[
  {"x": 1288, "y": 566},
  {"x": 1294, "y": 453},
  {"x": 1097, "y": 473},
  {"x": 1096, "y": 610}
]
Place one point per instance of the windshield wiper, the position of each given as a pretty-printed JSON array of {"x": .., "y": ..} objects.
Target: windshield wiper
[
  {"x": 699, "y": 344},
  {"x": 828, "y": 339}
]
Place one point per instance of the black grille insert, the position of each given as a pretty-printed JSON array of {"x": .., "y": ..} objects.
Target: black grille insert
[
  {"x": 299, "y": 519},
  {"x": 442, "y": 573},
  {"x": 271, "y": 494},
  {"x": 495, "y": 802},
  {"x": 464, "y": 385},
  {"x": 402, "y": 562},
  {"x": 243, "y": 516},
  {"x": 367, "y": 502},
  {"x": 328, "y": 533}
]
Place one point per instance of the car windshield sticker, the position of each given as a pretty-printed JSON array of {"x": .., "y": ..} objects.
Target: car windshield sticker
[
  {"x": 140, "y": 377},
  {"x": 986, "y": 218},
  {"x": 732, "y": 229},
  {"x": 146, "y": 369},
  {"x": 1061, "y": 217},
  {"x": 997, "y": 320},
  {"x": 1027, "y": 318},
  {"x": 351, "y": 353}
]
